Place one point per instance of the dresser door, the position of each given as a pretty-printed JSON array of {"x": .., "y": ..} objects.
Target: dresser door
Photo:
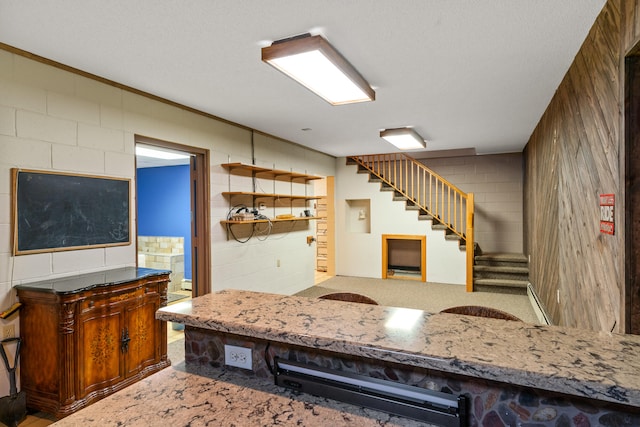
[
  {"x": 100, "y": 335},
  {"x": 142, "y": 330}
]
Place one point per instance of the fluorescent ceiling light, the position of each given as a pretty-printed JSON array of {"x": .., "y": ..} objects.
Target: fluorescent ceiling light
[
  {"x": 403, "y": 138},
  {"x": 159, "y": 153},
  {"x": 315, "y": 64}
]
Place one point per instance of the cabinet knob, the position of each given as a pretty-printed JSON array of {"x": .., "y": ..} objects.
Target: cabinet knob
[{"x": 91, "y": 303}]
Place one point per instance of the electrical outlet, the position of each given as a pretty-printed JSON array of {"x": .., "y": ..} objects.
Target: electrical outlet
[
  {"x": 8, "y": 331},
  {"x": 240, "y": 357}
]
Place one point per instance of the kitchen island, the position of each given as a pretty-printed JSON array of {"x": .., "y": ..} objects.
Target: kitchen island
[{"x": 511, "y": 372}]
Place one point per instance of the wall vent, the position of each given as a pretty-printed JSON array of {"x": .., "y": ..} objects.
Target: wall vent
[{"x": 443, "y": 409}]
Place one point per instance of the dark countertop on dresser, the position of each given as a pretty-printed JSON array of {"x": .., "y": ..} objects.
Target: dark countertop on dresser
[{"x": 87, "y": 281}]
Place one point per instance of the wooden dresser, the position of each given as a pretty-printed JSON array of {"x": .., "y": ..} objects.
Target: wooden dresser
[{"x": 85, "y": 337}]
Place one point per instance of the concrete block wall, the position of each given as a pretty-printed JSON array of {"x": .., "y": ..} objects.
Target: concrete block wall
[
  {"x": 51, "y": 119},
  {"x": 161, "y": 244},
  {"x": 497, "y": 184},
  {"x": 47, "y": 127},
  {"x": 163, "y": 253}
]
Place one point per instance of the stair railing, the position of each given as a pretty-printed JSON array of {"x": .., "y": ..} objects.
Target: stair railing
[{"x": 431, "y": 193}]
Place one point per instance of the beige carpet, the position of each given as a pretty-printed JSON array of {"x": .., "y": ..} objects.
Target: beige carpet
[
  {"x": 175, "y": 351},
  {"x": 431, "y": 297}
]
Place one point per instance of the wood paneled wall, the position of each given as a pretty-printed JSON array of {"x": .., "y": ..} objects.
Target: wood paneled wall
[
  {"x": 573, "y": 156},
  {"x": 631, "y": 24}
]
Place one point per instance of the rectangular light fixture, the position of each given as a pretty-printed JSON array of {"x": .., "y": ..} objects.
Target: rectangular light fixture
[
  {"x": 315, "y": 64},
  {"x": 403, "y": 138}
]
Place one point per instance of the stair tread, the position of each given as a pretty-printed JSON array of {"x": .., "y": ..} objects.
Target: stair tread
[
  {"x": 501, "y": 269},
  {"x": 502, "y": 282},
  {"x": 513, "y": 257}
]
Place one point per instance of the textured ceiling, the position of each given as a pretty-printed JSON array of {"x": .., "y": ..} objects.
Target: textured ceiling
[{"x": 466, "y": 74}]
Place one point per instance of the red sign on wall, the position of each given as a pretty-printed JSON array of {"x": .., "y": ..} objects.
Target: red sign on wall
[{"x": 607, "y": 204}]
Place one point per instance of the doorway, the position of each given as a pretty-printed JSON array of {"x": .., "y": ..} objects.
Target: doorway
[
  {"x": 403, "y": 257},
  {"x": 197, "y": 160},
  {"x": 325, "y": 229},
  {"x": 632, "y": 193}
]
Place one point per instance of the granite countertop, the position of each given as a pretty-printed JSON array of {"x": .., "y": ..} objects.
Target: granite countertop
[
  {"x": 202, "y": 397},
  {"x": 602, "y": 366},
  {"x": 83, "y": 282}
]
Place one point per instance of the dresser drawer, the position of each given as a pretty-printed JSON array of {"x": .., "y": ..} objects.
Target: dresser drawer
[{"x": 101, "y": 301}]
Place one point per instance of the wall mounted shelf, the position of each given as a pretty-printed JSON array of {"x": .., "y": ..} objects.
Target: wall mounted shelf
[
  {"x": 255, "y": 221},
  {"x": 253, "y": 171},
  {"x": 268, "y": 196},
  {"x": 267, "y": 173}
]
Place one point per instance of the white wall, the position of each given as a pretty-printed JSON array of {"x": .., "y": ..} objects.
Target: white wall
[
  {"x": 360, "y": 253},
  {"x": 54, "y": 120},
  {"x": 283, "y": 263}
]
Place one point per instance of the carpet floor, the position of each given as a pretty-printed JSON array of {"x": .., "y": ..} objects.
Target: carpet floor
[
  {"x": 431, "y": 297},
  {"x": 175, "y": 351}
]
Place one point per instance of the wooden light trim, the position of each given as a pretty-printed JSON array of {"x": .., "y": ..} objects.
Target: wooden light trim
[{"x": 307, "y": 44}]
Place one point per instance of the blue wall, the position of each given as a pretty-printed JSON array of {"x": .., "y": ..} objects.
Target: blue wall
[{"x": 164, "y": 205}]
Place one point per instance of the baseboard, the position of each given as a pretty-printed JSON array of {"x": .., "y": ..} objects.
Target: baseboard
[{"x": 537, "y": 306}]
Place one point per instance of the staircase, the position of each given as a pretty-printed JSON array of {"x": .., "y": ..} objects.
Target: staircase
[
  {"x": 424, "y": 191},
  {"x": 450, "y": 210},
  {"x": 498, "y": 272},
  {"x": 423, "y": 215}
]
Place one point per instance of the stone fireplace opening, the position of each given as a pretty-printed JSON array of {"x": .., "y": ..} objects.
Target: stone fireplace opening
[{"x": 404, "y": 257}]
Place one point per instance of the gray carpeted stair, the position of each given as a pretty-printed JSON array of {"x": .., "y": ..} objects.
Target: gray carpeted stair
[{"x": 501, "y": 271}]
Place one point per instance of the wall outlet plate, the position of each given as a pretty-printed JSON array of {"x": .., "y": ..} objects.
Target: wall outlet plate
[{"x": 240, "y": 357}]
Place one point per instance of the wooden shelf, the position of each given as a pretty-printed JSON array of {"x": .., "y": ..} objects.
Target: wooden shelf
[
  {"x": 257, "y": 221},
  {"x": 267, "y": 173},
  {"x": 275, "y": 175},
  {"x": 269, "y": 196}
]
